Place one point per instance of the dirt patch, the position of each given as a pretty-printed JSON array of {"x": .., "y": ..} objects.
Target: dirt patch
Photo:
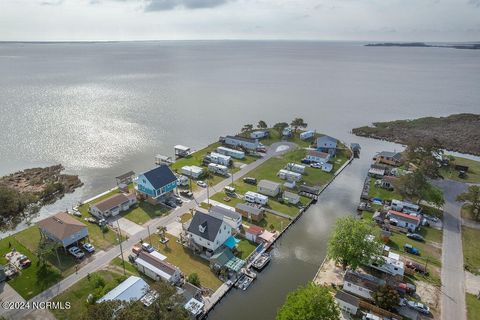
[
  {"x": 329, "y": 274},
  {"x": 430, "y": 295}
]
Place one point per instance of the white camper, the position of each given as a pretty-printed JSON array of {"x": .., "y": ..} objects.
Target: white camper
[
  {"x": 254, "y": 197},
  {"x": 237, "y": 154},
  {"x": 307, "y": 135},
  {"x": 218, "y": 168},
  {"x": 192, "y": 171},
  {"x": 289, "y": 175},
  {"x": 298, "y": 168}
]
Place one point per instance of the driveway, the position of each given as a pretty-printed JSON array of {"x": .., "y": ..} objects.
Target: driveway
[
  {"x": 128, "y": 226},
  {"x": 7, "y": 294},
  {"x": 453, "y": 276}
]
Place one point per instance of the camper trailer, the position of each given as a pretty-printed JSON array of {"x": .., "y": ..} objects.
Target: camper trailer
[
  {"x": 254, "y": 197},
  {"x": 289, "y": 175},
  {"x": 298, "y": 168},
  {"x": 218, "y": 158},
  {"x": 307, "y": 135},
  {"x": 259, "y": 134},
  {"x": 218, "y": 169},
  {"x": 192, "y": 171},
  {"x": 237, "y": 154}
]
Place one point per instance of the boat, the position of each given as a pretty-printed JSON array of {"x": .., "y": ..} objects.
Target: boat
[{"x": 261, "y": 261}]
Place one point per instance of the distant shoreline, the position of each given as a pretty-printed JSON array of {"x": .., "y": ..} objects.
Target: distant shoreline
[{"x": 468, "y": 46}]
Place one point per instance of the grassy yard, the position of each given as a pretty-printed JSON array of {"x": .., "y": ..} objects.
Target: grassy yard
[
  {"x": 275, "y": 136},
  {"x": 473, "y": 307},
  {"x": 34, "y": 279},
  {"x": 427, "y": 251},
  {"x": 278, "y": 223},
  {"x": 129, "y": 268},
  {"x": 186, "y": 217},
  {"x": 471, "y": 249},
  {"x": 184, "y": 259},
  {"x": 144, "y": 212},
  {"x": 473, "y": 174},
  {"x": 244, "y": 248},
  {"x": 466, "y": 213},
  {"x": 384, "y": 194},
  {"x": 99, "y": 284}
]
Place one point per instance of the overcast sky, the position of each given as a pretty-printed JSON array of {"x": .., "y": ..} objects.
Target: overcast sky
[{"x": 401, "y": 20}]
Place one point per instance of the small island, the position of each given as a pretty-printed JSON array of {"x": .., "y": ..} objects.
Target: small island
[
  {"x": 23, "y": 193},
  {"x": 472, "y": 46},
  {"x": 457, "y": 132}
]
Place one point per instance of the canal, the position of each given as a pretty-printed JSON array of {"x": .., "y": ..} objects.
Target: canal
[{"x": 297, "y": 256}]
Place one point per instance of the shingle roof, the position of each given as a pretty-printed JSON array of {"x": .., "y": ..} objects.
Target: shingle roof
[
  {"x": 209, "y": 222},
  {"x": 160, "y": 176},
  {"x": 253, "y": 229},
  {"x": 389, "y": 154},
  {"x": 249, "y": 208},
  {"x": 267, "y": 184},
  {"x": 226, "y": 212},
  {"x": 111, "y": 202},
  {"x": 327, "y": 142},
  {"x": 348, "y": 298},
  {"x": 363, "y": 280},
  {"x": 61, "y": 225}
]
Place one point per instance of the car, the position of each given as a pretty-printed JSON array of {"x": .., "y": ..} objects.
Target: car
[
  {"x": 406, "y": 288},
  {"x": 420, "y": 307},
  {"x": 415, "y": 236},
  {"x": 171, "y": 203},
  {"x": 411, "y": 249},
  {"x": 186, "y": 193},
  {"x": 24, "y": 261},
  {"x": 177, "y": 199},
  {"x": 393, "y": 221},
  {"x": 147, "y": 247},
  {"x": 316, "y": 165},
  {"x": 201, "y": 183},
  {"x": 306, "y": 161},
  {"x": 250, "y": 180},
  {"x": 88, "y": 247},
  {"x": 76, "y": 252},
  {"x": 417, "y": 267}
]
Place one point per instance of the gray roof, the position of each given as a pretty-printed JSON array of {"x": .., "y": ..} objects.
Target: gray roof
[
  {"x": 248, "y": 208},
  {"x": 267, "y": 184},
  {"x": 309, "y": 189},
  {"x": 160, "y": 176},
  {"x": 363, "y": 280},
  {"x": 291, "y": 195},
  {"x": 209, "y": 222},
  {"x": 226, "y": 212},
  {"x": 240, "y": 138},
  {"x": 389, "y": 154},
  {"x": 348, "y": 298},
  {"x": 326, "y": 142}
]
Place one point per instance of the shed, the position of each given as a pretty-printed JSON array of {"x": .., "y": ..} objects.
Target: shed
[
  {"x": 291, "y": 197},
  {"x": 249, "y": 211},
  {"x": 268, "y": 188},
  {"x": 181, "y": 151}
]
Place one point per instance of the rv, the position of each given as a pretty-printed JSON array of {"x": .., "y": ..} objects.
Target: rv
[
  {"x": 218, "y": 169},
  {"x": 237, "y": 154},
  {"x": 259, "y": 134},
  {"x": 406, "y": 207},
  {"x": 254, "y": 197},
  {"x": 298, "y": 168},
  {"x": 218, "y": 158},
  {"x": 307, "y": 135},
  {"x": 192, "y": 171},
  {"x": 289, "y": 175}
]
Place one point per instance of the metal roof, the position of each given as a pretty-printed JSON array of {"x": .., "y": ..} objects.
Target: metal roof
[
  {"x": 267, "y": 184},
  {"x": 131, "y": 289}
]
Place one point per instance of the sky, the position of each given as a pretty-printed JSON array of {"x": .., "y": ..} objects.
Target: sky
[{"x": 117, "y": 20}]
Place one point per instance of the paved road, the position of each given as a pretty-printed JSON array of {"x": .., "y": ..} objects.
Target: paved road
[
  {"x": 104, "y": 257},
  {"x": 453, "y": 277}
]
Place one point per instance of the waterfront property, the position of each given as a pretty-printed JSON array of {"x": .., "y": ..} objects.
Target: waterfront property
[
  {"x": 347, "y": 302},
  {"x": 389, "y": 265},
  {"x": 259, "y": 134},
  {"x": 63, "y": 228},
  {"x": 327, "y": 144},
  {"x": 207, "y": 232},
  {"x": 289, "y": 175},
  {"x": 181, "y": 151},
  {"x": 113, "y": 206},
  {"x": 389, "y": 158},
  {"x": 132, "y": 289},
  {"x": 215, "y": 157},
  {"x": 251, "y": 212},
  {"x": 268, "y": 188},
  {"x": 290, "y": 197},
  {"x": 228, "y": 215},
  {"x": 307, "y": 135},
  {"x": 192, "y": 171},
  {"x": 156, "y": 184},
  {"x": 238, "y": 141},
  {"x": 237, "y": 154},
  {"x": 317, "y": 156},
  {"x": 152, "y": 266},
  {"x": 404, "y": 220},
  {"x": 361, "y": 284}
]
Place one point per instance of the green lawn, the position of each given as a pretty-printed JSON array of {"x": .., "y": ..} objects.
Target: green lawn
[
  {"x": 431, "y": 234},
  {"x": 184, "y": 259},
  {"x": 471, "y": 249},
  {"x": 427, "y": 251},
  {"x": 275, "y": 136},
  {"x": 144, "y": 212},
  {"x": 384, "y": 194},
  {"x": 473, "y": 307},
  {"x": 186, "y": 217},
  {"x": 99, "y": 284},
  {"x": 467, "y": 213},
  {"x": 244, "y": 248},
  {"x": 473, "y": 174},
  {"x": 129, "y": 268},
  {"x": 278, "y": 223},
  {"x": 34, "y": 279}
]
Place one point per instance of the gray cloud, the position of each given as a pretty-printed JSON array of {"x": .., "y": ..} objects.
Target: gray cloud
[
  {"x": 475, "y": 3},
  {"x": 162, "y": 5}
]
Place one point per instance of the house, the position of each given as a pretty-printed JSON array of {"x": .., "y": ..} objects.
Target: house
[
  {"x": 113, "y": 205},
  {"x": 238, "y": 141},
  {"x": 253, "y": 233},
  {"x": 132, "y": 289},
  {"x": 259, "y": 134},
  {"x": 298, "y": 168},
  {"x": 327, "y": 167},
  {"x": 290, "y": 197},
  {"x": 268, "y": 188},
  {"x": 289, "y": 175},
  {"x": 376, "y": 171},
  {"x": 327, "y": 144},
  {"x": 218, "y": 158},
  {"x": 252, "y": 213},
  {"x": 237, "y": 154},
  {"x": 405, "y": 206},
  {"x": 317, "y": 156},
  {"x": 307, "y": 135},
  {"x": 63, "y": 228},
  {"x": 309, "y": 190},
  {"x": 192, "y": 171},
  {"x": 156, "y": 184},
  {"x": 208, "y": 231},
  {"x": 254, "y": 197},
  {"x": 390, "y": 158},
  {"x": 404, "y": 220},
  {"x": 361, "y": 284},
  {"x": 157, "y": 269},
  {"x": 181, "y": 151},
  {"x": 389, "y": 265},
  {"x": 230, "y": 216},
  {"x": 347, "y": 302}
]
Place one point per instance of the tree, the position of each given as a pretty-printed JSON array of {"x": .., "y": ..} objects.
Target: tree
[
  {"x": 472, "y": 197},
  {"x": 298, "y": 123},
  {"x": 247, "y": 128},
  {"x": 194, "y": 279},
  {"x": 45, "y": 247},
  {"x": 280, "y": 126},
  {"x": 310, "y": 302},
  {"x": 262, "y": 125},
  {"x": 416, "y": 186},
  {"x": 350, "y": 243},
  {"x": 386, "y": 297},
  {"x": 426, "y": 155}
]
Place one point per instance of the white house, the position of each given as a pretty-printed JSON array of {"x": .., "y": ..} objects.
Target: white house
[
  {"x": 317, "y": 156},
  {"x": 289, "y": 175},
  {"x": 219, "y": 158},
  {"x": 389, "y": 266},
  {"x": 259, "y": 134},
  {"x": 237, "y": 154},
  {"x": 361, "y": 284},
  {"x": 113, "y": 205},
  {"x": 268, "y": 188},
  {"x": 347, "y": 302},
  {"x": 157, "y": 269},
  {"x": 254, "y": 197},
  {"x": 290, "y": 197},
  {"x": 247, "y": 143},
  {"x": 207, "y": 231},
  {"x": 404, "y": 220},
  {"x": 132, "y": 289},
  {"x": 307, "y": 135},
  {"x": 192, "y": 171},
  {"x": 230, "y": 216},
  {"x": 298, "y": 168}
]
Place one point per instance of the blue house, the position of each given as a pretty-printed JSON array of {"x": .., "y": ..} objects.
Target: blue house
[
  {"x": 156, "y": 182},
  {"x": 327, "y": 144}
]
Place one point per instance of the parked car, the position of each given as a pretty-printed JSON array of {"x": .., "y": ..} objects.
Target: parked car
[
  {"x": 147, "y": 247},
  {"x": 88, "y": 247},
  {"x": 411, "y": 249},
  {"x": 201, "y": 183},
  {"x": 186, "y": 193},
  {"x": 76, "y": 252},
  {"x": 420, "y": 307},
  {"x": 171, "y": 203},
  {"x": 415, "y": 236},
  {"x": 250, "y": 180},
  {"x": 417, "y": 267},
  {"x": 316, "y": 165},
  {"x": 306, "y": 161},
  {"x": 431, "y": 218},
  {"x": 177, "y": 199},
  {"x": 393, "y": 221},
  {"x": 406, "y": 288}
]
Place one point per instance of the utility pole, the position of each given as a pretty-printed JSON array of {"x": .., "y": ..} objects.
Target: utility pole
[
  {"x": 119, "y": 235},
  {"x": 149, "y": 238},
  {"x": 208, "y": 192}
]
